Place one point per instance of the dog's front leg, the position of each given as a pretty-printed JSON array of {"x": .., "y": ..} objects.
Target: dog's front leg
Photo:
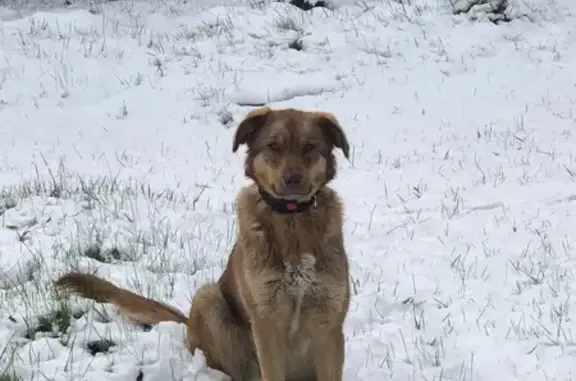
[
  {"x": 270, "y": 348},
  {"x": 266, "y": 312},
  {"x": 328, "y": 352}
]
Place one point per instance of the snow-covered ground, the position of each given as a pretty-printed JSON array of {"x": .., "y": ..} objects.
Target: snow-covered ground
[{"x": 116, "y": 126}]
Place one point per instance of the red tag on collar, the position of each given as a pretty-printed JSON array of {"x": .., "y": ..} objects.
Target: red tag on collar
[{"x": 291, "y": 206}]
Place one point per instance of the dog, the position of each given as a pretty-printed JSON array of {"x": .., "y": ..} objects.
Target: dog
[{"x": 277, "y": 311}]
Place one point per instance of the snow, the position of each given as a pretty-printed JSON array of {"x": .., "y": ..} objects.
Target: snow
[{"x": 116, "y": 125}]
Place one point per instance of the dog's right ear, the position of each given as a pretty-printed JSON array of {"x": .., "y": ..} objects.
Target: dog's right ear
[{"x": 249, "y": 127}]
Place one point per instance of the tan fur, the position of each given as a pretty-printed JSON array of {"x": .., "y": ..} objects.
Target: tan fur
[
  {"x": 278, "y": 309},
  {"x": 139, "y": 308}
]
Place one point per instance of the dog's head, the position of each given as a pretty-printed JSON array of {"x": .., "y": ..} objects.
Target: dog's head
[{"x": 290, "y": 152}]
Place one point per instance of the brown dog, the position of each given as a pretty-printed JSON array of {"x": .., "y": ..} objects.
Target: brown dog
[{"x": 278, "y": 309}]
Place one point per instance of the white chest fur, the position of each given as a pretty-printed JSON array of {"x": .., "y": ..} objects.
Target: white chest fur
[{"x": 299, "y": 280}]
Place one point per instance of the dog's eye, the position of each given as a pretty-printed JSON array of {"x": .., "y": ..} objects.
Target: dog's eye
[
  {"x": 309, "y": 147},
  {"x": 274, "y": 146}
]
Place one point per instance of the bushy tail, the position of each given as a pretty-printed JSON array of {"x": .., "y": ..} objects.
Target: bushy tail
[{"x": 136, "y": 307}]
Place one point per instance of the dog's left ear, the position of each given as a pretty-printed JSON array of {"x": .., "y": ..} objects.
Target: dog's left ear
[
  {"x": 331, "y": 127},
  {"x": 249, "y": 127}
]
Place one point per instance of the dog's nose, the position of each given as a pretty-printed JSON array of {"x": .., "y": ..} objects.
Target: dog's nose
[{"x": 292, "y": 178}]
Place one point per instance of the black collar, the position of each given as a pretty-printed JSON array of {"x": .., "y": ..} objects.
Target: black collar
[{"x": 282, "y": 206}]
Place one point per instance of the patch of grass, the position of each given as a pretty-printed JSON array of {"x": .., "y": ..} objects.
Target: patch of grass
[
  {"x": 306, "y": 5},
  {"x": 296, "y": 45},
  {"x": 146, "y": 327},
  {"x": 496, "y": 11},
  {"x": 5, "y": 204},
  {"x": 99, "y": 346},
  {"x": 54, "y": 323},
  {"x": 105, "y": 256},
  {"x": 225, "y": 117},
  {"x": 9, "y": 376}
]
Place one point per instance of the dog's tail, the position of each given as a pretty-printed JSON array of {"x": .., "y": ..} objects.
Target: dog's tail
[{"x": 140, "y": 309}]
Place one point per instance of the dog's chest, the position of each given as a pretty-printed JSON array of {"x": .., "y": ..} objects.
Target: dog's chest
[
  {"x": 300, "y": 276},
  {"x": 300, "y": 280}
]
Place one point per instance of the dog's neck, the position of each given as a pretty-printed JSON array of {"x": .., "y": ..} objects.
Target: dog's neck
[{"x": 283, "y": 206}]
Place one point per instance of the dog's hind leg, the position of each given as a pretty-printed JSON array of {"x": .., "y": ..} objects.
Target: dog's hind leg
[{"x": 213, "y": 328}]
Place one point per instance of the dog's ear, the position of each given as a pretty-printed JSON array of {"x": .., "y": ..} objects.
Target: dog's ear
[
  {"x": 331, "y": 127},
  {"x": 249, "y": 127}
]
